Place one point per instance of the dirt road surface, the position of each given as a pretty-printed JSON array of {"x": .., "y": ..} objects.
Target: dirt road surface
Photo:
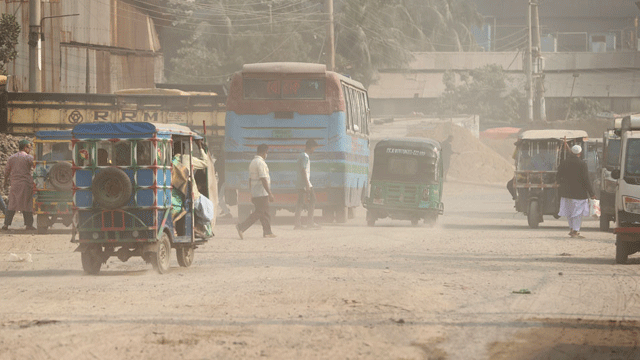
[{"x": 347, "y": 291}]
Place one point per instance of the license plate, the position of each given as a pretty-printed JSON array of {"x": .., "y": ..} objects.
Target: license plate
[{"x": 281, "y": 133}]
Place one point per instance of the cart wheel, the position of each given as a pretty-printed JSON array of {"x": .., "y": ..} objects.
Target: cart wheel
[
  {"x": 371, "y": 220},
  {"x": 604, "y": 223},
  {"x": 622, "y": 250},
  {"x": 533, "y": 216},
  {"x": 42, "y": 223},
  {"x": 160, "y": 259},
  {"x": 341, "y": 214},
  {"x": 91, "y": 259},
  {"x": 414, "y": 222},
  {"x": 185, "y": 255}
]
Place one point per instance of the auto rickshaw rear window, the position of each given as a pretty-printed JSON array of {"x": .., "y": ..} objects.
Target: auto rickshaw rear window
[{"x": 538, "y": 156}]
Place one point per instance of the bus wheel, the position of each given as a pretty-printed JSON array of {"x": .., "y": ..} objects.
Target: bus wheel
[
  {"x": 185, "y": 255},
  {"x": 604, "y": 223},
  {"x": 42, "y": 223},
  {"x": 328, "y": 215},
  {"x": 341, "y": 214},
  {"x": 160, "y": 259},
  {"x": 533, "y": 215},
  {"x": 622, "y": 249},
  {"x": 91, "y": 259}
]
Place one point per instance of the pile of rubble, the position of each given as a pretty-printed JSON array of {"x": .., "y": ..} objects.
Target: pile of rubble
[
  {"x": 8, "y": 147},
  {"x": 472, "y": 161}
]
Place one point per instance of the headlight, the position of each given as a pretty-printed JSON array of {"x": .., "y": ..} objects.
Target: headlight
[
  {"x": 631, "y": 205},
  {"x": 95, "y": 236},
  {"x": 135, "y": 234},
  {"x": 610, "y": 185}
]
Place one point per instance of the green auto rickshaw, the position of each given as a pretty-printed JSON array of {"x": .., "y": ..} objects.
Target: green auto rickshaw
[{"x": 406, "y": 181}]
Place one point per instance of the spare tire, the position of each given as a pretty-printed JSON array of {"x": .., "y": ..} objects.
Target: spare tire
[
  {"x": 61, "y": 176},
  {"x": 111, "y": 188}
]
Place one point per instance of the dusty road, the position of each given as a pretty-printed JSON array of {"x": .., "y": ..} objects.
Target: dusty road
[{"x": 344, "y": 292}]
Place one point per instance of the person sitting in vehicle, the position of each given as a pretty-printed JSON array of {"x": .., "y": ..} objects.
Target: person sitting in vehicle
[
  {"x": 103, "y": 157},
  {"x": 59, "y": 152}
]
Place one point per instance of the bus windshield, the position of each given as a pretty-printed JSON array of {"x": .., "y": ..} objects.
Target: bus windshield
[
  {"x": 538, "y": 157},
  {"x": 270, "y": 89}
]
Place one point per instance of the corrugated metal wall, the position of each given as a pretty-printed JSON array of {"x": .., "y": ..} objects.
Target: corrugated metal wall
[{"x": 119, "y": 41}]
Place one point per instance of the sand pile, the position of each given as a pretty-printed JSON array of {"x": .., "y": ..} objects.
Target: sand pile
[
  {"x": 504, "y": 147},
  {"x": 476, "y": 162}
]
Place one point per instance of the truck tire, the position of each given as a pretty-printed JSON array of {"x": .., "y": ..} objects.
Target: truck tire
[
  {"x": 111, "y": 188},
  {"x": 91, "y": 259}
]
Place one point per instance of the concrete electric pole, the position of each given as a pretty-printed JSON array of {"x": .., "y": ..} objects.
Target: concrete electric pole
[
  {"x": 529, "y": 68},
  {"x": 331, "y": 55},
  {"x": 34, "y": 46},
  {"x": 538, "y": 67}
]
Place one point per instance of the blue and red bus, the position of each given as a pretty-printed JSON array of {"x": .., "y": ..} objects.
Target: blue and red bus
[{"x": 285, "y": 104}]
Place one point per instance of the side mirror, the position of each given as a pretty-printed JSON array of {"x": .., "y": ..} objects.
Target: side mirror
[{"x": 615, "y": 174}]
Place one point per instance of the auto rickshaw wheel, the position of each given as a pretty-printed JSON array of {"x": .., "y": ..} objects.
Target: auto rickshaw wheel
[
  {"x": 91, "y": 259},
  {"x": 622, "y": 249},
  {"x": 533, "y": 215},
  {"x": 61, "y": 176},
  {"x": 160, "y": 260},
  {"x": 371, "y": 220},
  {"x": 431, "y": 220},
  {"x": 42, "y": 223},
  {"x": 341, "y": 214},
  {"x": 328, "y": 215},
  {"x": 185, "y": 255},
  {"x": 604, "y": 222},
  {"x": 111, "y": 188}
]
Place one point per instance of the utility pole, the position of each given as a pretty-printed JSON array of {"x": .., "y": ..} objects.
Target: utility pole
[
  {"x": 34, "y": 46},
  {"x": 529, "y": 69},
  {"x": 539, "y": 79},
  {"x": 331, "y": 54}
]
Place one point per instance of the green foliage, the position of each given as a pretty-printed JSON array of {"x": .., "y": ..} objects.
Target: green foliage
[
  {"x": 584, "y": 109},
  {"x": 9, "y": 32},
  {"x": 483, "y": 91},
  {"x": 369, "y": 34}
]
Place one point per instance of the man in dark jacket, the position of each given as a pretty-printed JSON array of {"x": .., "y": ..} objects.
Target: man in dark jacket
[{"x": 575, "y": 190}]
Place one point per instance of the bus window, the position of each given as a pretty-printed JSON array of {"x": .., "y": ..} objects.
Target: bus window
[
  {"x": 104, "y": 153},
  {"x": 83, "y": 155},
  {"x": 143, "y": 153},
  {"x": 123, "y": 153}
]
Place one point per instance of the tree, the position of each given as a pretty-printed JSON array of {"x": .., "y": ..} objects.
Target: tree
[
  {"x": 483, "y": 91},
  {"x": 9, "y": 33},
  {"x": 218, "y": 36}
]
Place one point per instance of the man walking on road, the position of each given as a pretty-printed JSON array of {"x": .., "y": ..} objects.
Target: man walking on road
[
  {"x": 19, "y": 173},
  {"x": 447, "y": 152},
  {"x": 260, "y": 185},
  {"x": 218, "y": 166},
  {"x": 575, "y": 190},
  {"x": 304, "y": 186}
]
